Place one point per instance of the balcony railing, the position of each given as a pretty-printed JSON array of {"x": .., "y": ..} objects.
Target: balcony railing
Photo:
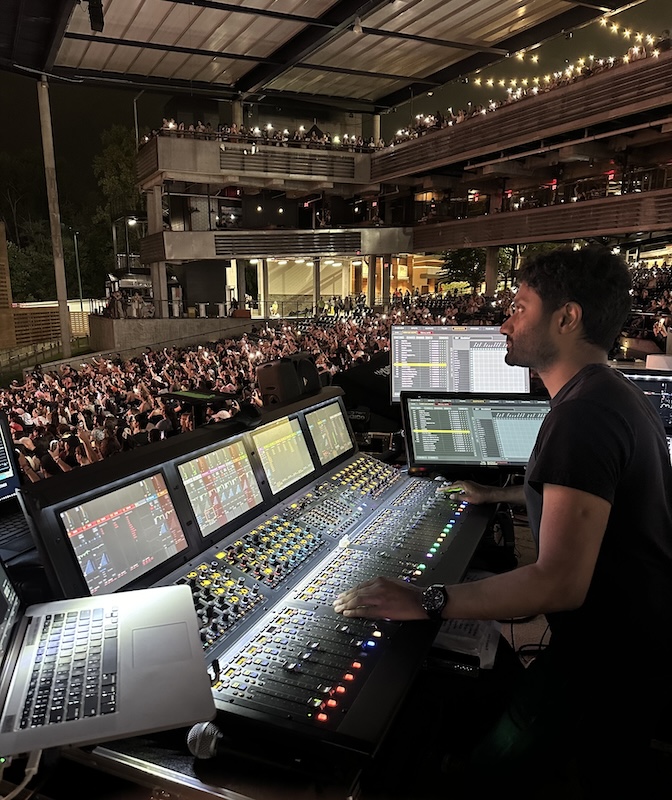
[
  {"x": 625, "y": 91},
  {"x": 642, "y": 212},
  {"x": 204, "y": 159}
]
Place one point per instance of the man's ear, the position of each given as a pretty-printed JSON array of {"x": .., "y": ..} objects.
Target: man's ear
[{"x": 570, "y": 316}]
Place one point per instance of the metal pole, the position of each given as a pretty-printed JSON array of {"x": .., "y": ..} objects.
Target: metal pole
[
  {"x": 79, "y": 274},
  {"x": 54, "y": 214},
  {"x": 135, "y": 118}
]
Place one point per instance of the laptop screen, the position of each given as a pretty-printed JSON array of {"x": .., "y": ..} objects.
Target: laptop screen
[
  {"x": 123, "y": 534},
  {"x": 283, "y": 453},
  {"x": 657, "y": 386},
  {"x": 452, "y": 358},
  {"x": 220, "y": 485},
  {"x": 458, "y": 432},
  {"x": 9, "y": 470},
  {"x": 329, "y": 432}
]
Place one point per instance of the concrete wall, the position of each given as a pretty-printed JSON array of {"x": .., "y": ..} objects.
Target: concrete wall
[{"x": 116, "y": 335}]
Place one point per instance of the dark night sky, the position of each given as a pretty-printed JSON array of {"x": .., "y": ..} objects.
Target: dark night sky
[{"x": 80, "y": 112}]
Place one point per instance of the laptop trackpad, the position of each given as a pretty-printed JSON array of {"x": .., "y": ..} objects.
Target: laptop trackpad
[{"x": 165, "y": 643}]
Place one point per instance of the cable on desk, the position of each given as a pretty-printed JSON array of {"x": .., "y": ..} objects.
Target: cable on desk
[{"x": 32, "y": 765}]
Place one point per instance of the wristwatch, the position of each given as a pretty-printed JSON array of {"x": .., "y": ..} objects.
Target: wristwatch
[{"x": 434, "y": 599}]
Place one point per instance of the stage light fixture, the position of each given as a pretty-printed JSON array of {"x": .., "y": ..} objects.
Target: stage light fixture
[{"x": 96, "y": 15}]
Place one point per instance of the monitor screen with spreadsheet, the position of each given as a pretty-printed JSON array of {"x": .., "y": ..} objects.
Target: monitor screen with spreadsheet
[
  {"x": 458, "y": 432},
  {"x": 452, "y": 358},
  {"x": 657, "y": 386}
]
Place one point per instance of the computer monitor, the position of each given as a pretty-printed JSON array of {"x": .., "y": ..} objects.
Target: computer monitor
[
  {"x": 9, "y": 468},
  {"x": 329, "y": 432},
  {"x": 283, "y": 453},
  {"x": 220, "y": 485},
  {"x": 123, "y": 534},
  {"x": 460, "y": 434},
  {"x": 452, "y": 358},
  {"x": 657, "y": 386}
]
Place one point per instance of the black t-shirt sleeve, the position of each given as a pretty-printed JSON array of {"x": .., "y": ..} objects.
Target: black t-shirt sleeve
[{"x": 581, "y": 445}]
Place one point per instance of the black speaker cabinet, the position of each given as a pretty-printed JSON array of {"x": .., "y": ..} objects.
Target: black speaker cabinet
[
  {"x": 288, "y": 379},
  {"x": 278, "y": 382},
  {"x": 306, "y": 369}
]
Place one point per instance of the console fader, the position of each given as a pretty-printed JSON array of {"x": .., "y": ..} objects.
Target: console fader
[{"x": 276, "y": 650}]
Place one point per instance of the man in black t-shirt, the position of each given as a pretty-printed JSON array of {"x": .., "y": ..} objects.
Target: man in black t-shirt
[{"x": 598, "y": 489}]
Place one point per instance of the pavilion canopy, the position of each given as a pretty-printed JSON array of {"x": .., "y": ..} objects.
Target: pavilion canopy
[{"x": 357, "y": 54}]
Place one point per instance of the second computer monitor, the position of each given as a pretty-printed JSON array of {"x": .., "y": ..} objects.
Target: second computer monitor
[
  {"x": 455, "y": 434},
  {"x": 452, "y": 358}
]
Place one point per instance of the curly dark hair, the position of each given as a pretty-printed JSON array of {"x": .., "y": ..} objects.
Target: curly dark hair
[{"x": 594, "y": 277}]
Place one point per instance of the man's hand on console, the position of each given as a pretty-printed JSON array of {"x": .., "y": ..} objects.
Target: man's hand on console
[
  {"x": 382, "y": 598},
  {"x": 468, "y": 491}
]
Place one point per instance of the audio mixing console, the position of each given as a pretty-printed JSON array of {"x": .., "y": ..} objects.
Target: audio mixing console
[
  {"x": 267, "y": 525},
  {"x": 276, "y": 650}
]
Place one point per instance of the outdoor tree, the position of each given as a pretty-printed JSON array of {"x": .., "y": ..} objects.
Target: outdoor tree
[
  {"x": 463, "y": 266},
  {"x": 31, "y": 267},
  {"x": 114, "y": 169}
]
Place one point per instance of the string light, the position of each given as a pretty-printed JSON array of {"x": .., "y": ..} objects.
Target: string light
[{"x": 572, "y": 69}]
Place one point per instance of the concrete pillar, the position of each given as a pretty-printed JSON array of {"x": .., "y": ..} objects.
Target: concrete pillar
[
  {"x": 264, "y": 304},
  {"x": 357, "y": 288},
  {"x": 371, "y": 285},
  {"x": 317, "y": 290},
  {"x": 237, "y": 113},
  {"x": 241, "y": 283},
  {"x": 159, "y": 289},
  {"x": 54, "y": 214},
  {"x": 491, "y": 269},
  {"x": 154, "y": 211},
  {"x": 376, "y": 128},
  {"x": 157, "y": 270},
  {"x": 385, "y": 281}
]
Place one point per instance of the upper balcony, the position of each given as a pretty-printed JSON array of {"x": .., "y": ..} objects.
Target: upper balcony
[
  {"x": 641, "y": 213},
  {"x": 639, "y": 92},
  {"x": 288, "y": 166}
]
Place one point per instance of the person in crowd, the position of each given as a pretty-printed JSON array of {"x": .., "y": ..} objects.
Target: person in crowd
[{"x": 604, "y": 562}]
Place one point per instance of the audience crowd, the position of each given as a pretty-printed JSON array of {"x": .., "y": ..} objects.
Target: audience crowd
[
  {"x": 65, "y": 418},
  {"x": 68, "y": 417},
  {"x": 301, "y": 137}
]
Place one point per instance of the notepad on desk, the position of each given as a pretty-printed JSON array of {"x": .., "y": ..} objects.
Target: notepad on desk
[{"x": 474, "y": 638}]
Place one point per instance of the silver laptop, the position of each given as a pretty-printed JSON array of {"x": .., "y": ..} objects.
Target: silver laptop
[{"x": 91, "y": 669}]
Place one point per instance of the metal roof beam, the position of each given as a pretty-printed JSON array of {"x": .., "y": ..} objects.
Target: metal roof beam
[
  {"x": 339, "y": 17},
  {"x": 196, "y": 51},
  {"x": 166, "y": 48},
  {"x": 255, "y": 12},
  {"x": 411, "y": 37}
]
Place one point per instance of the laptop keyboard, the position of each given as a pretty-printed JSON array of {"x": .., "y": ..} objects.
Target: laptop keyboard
[
  {"x": 75, "y": 670},
  {"x": 12, "y": 526}
]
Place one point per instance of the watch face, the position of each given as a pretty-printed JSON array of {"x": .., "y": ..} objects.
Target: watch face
[{"x": 434, "y": 599}]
